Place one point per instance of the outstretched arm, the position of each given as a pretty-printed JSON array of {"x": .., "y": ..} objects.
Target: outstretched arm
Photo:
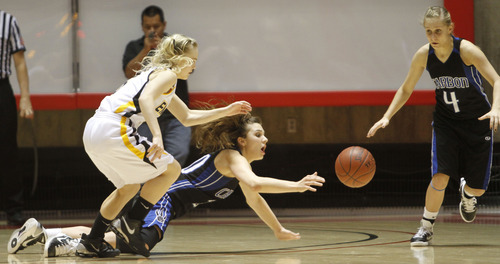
[
  {"x": 189, "y": 117},
  {"x": 404, "y": 92},
  {"x": 232, "y": 163},
  {"x": 262, "y": 209}
]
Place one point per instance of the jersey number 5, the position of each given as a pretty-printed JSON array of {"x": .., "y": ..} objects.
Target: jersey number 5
[{"x": 453, "y": 100}]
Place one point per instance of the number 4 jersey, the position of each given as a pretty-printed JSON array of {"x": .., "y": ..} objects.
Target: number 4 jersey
[{"x": 459, "y": 93}]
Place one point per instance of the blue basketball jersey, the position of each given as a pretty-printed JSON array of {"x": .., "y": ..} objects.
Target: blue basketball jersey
[
  {"x": 459, "y": 91},
  {"x": 200, "y": 183}
]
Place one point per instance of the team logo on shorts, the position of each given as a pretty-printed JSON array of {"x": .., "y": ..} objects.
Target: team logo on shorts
[
  {"x": 223, "y": 193},
  {"x": 161, "y": 215},
  {"x": 487, "y": 138}
]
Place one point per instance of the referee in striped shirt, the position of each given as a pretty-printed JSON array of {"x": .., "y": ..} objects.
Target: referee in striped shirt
[{"x": 12, "y": 46}]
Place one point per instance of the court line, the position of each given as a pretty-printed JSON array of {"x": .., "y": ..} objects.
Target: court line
[{"x": 306, "y": 248}]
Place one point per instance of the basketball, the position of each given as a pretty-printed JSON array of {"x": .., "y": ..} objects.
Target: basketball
[{"x": 355, "y": 166}]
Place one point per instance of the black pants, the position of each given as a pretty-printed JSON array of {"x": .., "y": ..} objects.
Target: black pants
[{"x": 11, "y": 183}]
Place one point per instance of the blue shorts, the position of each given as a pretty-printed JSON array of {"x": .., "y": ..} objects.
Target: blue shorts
[{"x": 160, "y": 215}]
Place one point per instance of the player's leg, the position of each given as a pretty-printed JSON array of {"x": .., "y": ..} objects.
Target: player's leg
[
  {"x": 477, "y": 158},
  {"x": 149, "y": 235},
  {"x": 66, "y": 241},
  {"x": 104, "y": 141},
  {"x": 128, "y": 226},
  {"x": 156, "y": 219},
  {"x": 94, "y": 244},
  {"x": 11, "y": 186},
  {"x": 444, "y": 163},
  {"x": 155, "y": 225}
]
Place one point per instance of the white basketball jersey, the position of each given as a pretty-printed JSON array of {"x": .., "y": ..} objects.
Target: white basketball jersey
[{"x": 125, "y": 101}]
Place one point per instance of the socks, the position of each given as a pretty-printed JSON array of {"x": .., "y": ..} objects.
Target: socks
[
  {"x": 99, "y": 227},
  {"x": 429, "y": 218},
  {"x": 140, "y": 209},
  {"x": 52, "y": 232}
]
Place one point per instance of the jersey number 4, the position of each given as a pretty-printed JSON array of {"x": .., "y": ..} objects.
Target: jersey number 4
[{"x": 453, "y": 100}]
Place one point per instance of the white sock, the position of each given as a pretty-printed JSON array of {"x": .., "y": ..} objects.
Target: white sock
[
  {"x": 51, "y": 232},
  {"x": 429, "y": 216}
]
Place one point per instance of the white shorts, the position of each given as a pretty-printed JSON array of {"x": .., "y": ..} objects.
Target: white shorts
[{"x": 119, "y": 152}]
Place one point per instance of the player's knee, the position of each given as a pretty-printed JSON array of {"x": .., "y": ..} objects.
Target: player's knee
[
  {"x": 440, "y": 181},
  {"x": 129, "y": 190},
  {"x": 173, "y": 168}
]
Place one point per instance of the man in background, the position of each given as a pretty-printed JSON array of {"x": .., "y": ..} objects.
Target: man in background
[
  {"x": 11, "y": 184},
  {"x": 176, "y": 137}
]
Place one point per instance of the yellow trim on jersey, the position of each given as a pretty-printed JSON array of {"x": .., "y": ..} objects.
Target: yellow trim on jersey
[
  {"x": 126, "y": 141},
  {"x": 122, "y": 108},
  {"x": 169, "y": 91}
]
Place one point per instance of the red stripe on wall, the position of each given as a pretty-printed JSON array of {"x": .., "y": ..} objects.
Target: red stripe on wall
[
  {"x": 257, "y": 99},
  {"x": 462, "y": 14}
]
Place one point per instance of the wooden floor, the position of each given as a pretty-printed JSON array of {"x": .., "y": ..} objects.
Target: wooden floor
[{"x": 354, "y": 238}]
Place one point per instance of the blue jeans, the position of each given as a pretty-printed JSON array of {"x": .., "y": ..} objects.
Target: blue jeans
[{"x": 176, "y": 138}]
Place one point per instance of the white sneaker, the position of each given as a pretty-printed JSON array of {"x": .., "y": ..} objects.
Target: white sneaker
[
  {"x": 31, "y": 233},
  {"x": 60, "y": 245},
  {"x": 423, "y": 237}
]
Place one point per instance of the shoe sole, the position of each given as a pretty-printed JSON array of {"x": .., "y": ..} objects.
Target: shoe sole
[
  {"x": 94, "y": 255},
  {"x": 33, "y": 238},
  {"x": 83, "y": 255},
  {"x": 420, "y": 244}
]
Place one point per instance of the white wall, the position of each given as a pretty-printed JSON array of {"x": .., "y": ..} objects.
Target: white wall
[
  {"x": 43, "y": 25},
  {"x": 258, "y": 45}
]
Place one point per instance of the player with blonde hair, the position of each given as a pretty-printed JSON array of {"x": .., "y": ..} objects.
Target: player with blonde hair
[
  {"x": 464, "y": 120},
  {"x": 125, "y": 157},
  {"x": 232, "y": 144}
]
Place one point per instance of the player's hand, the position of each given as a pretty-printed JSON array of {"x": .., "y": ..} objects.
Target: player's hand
[
  {"x": 156, "y": 149},
  {"x": 239, "y": 107},
  {"x": 25, "y": 108},
  {"x": 494, "y": 116},
  {"x": 285, "y": 234},
  {"x": 310, "y": 180},
  {"x": 382, "y": 123}
]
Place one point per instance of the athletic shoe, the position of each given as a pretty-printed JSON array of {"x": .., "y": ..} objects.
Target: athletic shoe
[
  {"x": 95, "y": 248},
  {"x": 129, "y": 230},
  {"x": 423, "y": 237},
  {"x": 467, "y": 206},
  {"x": 60, "y": 245},
  {"x": 31, "y": 233}
]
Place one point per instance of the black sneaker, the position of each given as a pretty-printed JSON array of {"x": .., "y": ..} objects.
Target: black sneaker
[
  {"x": 423, "y": 237},
  {"x": 129, "y": 230},
  {"x": 95, "y": 248},
  {"x": 467, "y": 206}
]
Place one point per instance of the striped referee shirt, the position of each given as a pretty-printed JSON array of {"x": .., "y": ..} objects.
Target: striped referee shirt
[{"x": 11, "y": 42}]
